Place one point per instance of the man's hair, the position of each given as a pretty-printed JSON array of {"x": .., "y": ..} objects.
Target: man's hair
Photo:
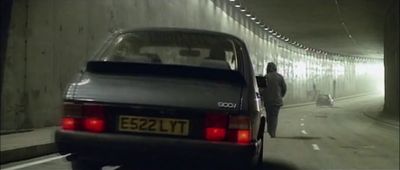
[{"x": 271, "y": 67}]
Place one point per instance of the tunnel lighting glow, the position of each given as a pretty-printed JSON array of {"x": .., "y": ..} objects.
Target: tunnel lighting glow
[
  {"x": 248, "y": 14},
  {"x": 338, "y": 70},
  {"x": 237, "y": 5},
  {"x": 270, "y": 31},
  {"x": 278, "y": 36},
  {"x": 82, "y": 82},
  {"x": 242, "y": 9},
  {"x": 300, "y": 69},
  {"x": 258, "y": 22},
  {"x": 253, "y": 18},
  {"x": 266, "y": 28},
  {"x": 287, "y": 39},
  {"x": 275, "y": 33},
  {"x": 232, "y": 0}
]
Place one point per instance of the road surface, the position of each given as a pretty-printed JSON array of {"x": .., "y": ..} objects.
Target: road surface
[{"x": 308, "y": 137}]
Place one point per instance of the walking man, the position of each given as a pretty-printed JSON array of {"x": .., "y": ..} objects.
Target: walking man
[{"x": 272, "y": 95}]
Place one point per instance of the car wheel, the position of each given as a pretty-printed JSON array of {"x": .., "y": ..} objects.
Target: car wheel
[{"x": 85, "y": 165}]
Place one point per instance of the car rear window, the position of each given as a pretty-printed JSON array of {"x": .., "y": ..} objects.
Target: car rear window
[{"x": 173, "y": 48}]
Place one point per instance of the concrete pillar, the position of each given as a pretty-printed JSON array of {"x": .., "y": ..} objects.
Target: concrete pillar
[
  {"x": 5, "y": 12},
  {"x": 391, "y": 61}
]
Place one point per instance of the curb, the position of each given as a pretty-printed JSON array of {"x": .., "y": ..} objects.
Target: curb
[
  {"x": 337, "y": 99},
  {"x": 376, "y": 118},
  {"x": 297, "y": 105},
  {"x": 27, "y": 152}
]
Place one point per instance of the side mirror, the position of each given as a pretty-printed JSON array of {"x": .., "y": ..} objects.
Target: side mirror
[{"x": 261, "y": 81}]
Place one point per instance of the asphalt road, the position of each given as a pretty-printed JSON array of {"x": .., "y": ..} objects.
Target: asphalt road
[{"x": 308, "y": 137}]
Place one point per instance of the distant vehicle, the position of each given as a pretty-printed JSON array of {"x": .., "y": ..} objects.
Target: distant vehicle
[
  {"x": 325, "y": 100},
  {"x": 151, "y": 94}
]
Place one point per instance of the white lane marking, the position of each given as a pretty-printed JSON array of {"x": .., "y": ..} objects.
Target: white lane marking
[
  {"x": 304, "y": 132},
  {"x": 315, "y": 147},
  {"x": 368, "y": 147},
  {"x": 302, "y": 119},
  {"x": 36, "y": 162},
  {"x": 110, "y": 167},
  {"x": 302, "y": 124}
]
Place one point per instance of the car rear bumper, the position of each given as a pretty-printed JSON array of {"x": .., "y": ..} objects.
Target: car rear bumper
[{"x": 121, "y": 148}]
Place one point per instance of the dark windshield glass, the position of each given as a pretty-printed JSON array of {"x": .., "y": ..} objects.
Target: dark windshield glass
[{"x": 173, "y": 48}]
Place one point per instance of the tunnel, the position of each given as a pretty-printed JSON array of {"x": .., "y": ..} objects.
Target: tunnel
[{"x": 346, "y": 49}]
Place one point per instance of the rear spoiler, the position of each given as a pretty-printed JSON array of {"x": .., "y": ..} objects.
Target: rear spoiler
[{"x": 130, "y": 68}]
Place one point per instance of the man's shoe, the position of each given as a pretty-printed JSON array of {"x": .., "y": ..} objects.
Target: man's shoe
[{"x": 272, "y": 135}]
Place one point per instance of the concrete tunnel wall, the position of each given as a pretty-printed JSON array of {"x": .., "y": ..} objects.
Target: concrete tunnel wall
[{"x": 49, "y": 40}]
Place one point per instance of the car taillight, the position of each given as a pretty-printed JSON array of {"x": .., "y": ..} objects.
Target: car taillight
[
  {"x": 215, "y": 134},
  {"x": 86, "y": 117},
  {"x": 243, "y": 136},
  {"x": 93, "y": 124},
  {"x": 68, "y": 123},
  {"x": 215, "y": 126},
  {"x": 93, "y": 118},
  {"x": 239, "y": 129},
  {"x": 71, "y": 117}
]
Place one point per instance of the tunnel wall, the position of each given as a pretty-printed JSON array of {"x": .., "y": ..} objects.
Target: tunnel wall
[
  {"x": 49, "y": 40},
  {"x": 391, "y": 50}
]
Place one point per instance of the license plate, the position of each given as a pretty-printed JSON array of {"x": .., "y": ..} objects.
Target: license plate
[{"x": 168, "y": 126}]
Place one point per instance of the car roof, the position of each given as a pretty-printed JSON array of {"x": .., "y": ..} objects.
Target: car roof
[{"x": 183, "y": 30}]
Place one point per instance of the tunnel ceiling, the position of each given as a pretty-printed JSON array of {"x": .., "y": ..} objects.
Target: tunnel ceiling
[{"x": 350, "y": 27}]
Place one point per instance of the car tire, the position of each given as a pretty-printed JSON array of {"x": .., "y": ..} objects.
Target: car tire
[
  {"x": 261, "y": 155},
  {"x": 85, "y": 165}
]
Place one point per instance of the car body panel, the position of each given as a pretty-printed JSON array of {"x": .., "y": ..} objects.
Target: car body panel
[
  {"x": 125, "y": 147},
  {"x": 156, "y": 91}
]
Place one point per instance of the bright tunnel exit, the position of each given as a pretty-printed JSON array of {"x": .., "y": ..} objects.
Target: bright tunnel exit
[{"x": 374, "y": 71}]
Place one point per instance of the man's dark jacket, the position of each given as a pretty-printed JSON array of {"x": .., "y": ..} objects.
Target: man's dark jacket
[{"x": 276, "y": 87}]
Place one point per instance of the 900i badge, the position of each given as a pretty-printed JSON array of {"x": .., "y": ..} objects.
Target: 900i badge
[{"x": 226, "y": 105}]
